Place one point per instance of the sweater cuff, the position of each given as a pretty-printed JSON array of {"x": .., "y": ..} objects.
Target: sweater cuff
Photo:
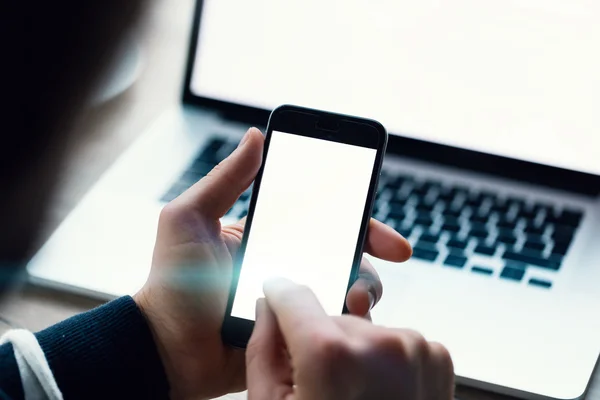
[{"x": 107, "y": 352}]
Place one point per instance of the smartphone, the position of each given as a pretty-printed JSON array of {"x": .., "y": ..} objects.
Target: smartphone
[{"x": 309, "y": 211}]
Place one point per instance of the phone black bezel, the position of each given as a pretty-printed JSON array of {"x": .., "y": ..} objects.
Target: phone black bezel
[{"x": 320, "y": 125}]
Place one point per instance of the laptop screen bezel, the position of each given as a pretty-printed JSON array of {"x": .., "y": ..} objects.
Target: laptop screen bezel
[{"x": 521, "y": 170}]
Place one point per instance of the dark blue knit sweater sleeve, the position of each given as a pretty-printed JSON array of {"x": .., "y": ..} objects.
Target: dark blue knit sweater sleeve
[
  {"x": 105, "y": 353},
  {"x": 10, "y": 379}
]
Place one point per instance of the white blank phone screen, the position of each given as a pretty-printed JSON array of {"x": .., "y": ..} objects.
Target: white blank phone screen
[{"x": 306, "y": 220}]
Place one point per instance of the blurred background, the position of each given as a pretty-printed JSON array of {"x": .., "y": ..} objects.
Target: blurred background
[{"x": 146, "y": 79}]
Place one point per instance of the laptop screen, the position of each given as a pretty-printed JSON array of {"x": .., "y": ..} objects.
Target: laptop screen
[{"x": 516, "y": 78}]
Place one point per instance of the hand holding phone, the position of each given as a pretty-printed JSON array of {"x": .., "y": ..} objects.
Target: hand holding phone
[
  {"x": 320, "y": 172},
  {"x": 185, "y": 297},
  {"x": 299, "y": 352}
]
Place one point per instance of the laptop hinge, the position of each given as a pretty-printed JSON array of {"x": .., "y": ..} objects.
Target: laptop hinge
[{"x": 524, "y": 171}]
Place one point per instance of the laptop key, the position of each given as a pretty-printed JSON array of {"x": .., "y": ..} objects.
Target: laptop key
[
  {"x": 546, "y": 208},
  {"x": 420, "y": 191},
  {"x": 452, "y": 212},
  {"x": 505, "y": 231},
  {"x": 390, "y": 185},
  {"x": 534, "y": 244},
  {"x": 457, "y": 252},
  {"x": 423, "y": 214},
  {"x": 190, "y": 177},
  {"x": 478, "y": 233},
  {"x": 446, "y": 195},
  {"x": 534, "y": 237},
  {"x": 229, "y": 212},
  {"x": 394, "y": 184},
  {"x": 423, "y": 221},
  {"x": 209, "y": 153},
  {"x": 528, "y": 214},
  {"x": 406, "y": 232},
  {"x": 478, "y": 226},
  {"x": 540, "y": 283},
  {"x": 375, "y": 208},
  {"x": 571, "y": 217},
  {"x": 455, "y": 261},
  {"x": 485, "y": 250},
  {"x": 200, "y": 167},
  {"x": 500, "y": 208},
  {"x": 429, "y": 238},
  {"x": 425, "y": 206},
  {"x": 451, "y": 227},
  {"x": 482, "y": 270},
  {"x": 391, "y": 188},
  {"x": 226, "y": 150},
  {"x": 460, "y": 190},
  {"x": 426, "y": 254},
  {"x": 396, "y": 204},
  {"x": 533, "y": 258},
  {"x": 563, "y": 233},
  {"x": 457, "y": 244},
  {"x": 505, "y": 223},
  {"x": 506, "y": 238},
  {"x": 397, "y": 214},
  {"x": 513, "y": 271},
  {"x": 245, "y": 196},
  {"x": 434, "y": 184},
  {"x": 566, "y": 217},
  {"x": 402, "y": 179},
  {"x": 532, "y": 228},
  {"x": 474, "y": 202},
  {"x": 516, "y": 201},
  {"x": 423, "y": 244},
  {"x": 451, "y": 220},
  {"x": 479, "y": 218},
  {"x": 561, "y": 248}
]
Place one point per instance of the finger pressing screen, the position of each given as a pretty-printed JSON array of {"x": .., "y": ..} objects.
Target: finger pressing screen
[
  {"x": 268, "y": 368},
  {"x": 298, "y": 313}
]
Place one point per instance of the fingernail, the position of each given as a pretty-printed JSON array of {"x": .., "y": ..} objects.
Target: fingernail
[
  {"x": 245, "y": 138},
  {"x": 260, "y": 308},
  {"x": 371, "y": 300},
  {"x": 275, "y": 283}
]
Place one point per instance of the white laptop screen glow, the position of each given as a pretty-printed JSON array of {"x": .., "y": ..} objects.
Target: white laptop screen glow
[{"x": 518, "y": 78}]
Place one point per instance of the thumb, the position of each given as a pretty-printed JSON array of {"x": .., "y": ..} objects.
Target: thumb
[
  {"x": 214, "y": 194},
  {"x": 269, "y": 374}
]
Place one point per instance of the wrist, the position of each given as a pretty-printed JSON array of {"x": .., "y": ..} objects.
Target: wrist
[
  {"x": 194, "y": 360},
  {"x": 143, "y": 301},
  {"x": 164, "y": 334}
]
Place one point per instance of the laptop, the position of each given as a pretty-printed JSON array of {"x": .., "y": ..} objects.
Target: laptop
[{"x": 492, "y": 169}]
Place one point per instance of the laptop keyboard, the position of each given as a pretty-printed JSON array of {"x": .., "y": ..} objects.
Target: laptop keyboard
[{"x": 450, "y": 225}]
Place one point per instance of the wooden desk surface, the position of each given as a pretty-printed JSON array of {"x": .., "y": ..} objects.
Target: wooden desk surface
[{"x": 106, "y": 130}]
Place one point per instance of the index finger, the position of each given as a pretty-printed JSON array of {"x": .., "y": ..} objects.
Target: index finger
[{"x": 298, "y": 311}]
